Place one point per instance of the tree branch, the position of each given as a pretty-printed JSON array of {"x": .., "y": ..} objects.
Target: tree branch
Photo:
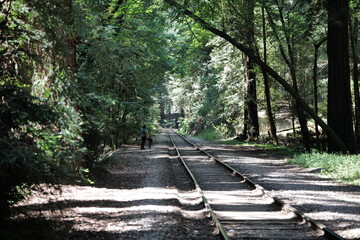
[{"x": 331, "y": 134}]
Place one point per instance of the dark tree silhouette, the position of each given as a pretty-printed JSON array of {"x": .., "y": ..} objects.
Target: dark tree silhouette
[{"x": 339, "y": 94}]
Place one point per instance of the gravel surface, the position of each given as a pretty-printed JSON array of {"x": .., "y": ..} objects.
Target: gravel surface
[
  {"x": 334, "y": 204},
  {"x": 142, "y": 195},
  {"x": 135, "y": 197}
]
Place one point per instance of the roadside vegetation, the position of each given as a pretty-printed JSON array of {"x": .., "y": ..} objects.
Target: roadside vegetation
[
  {"x": 343, "y": 168},
  {"x": 78, "y": 78},
  {"x": 212, "y": 134}
]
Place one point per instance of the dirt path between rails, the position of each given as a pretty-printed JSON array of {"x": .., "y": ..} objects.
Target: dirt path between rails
[
  {"x": 334, "y": 204},
  {"x": 136, "y": 198}
]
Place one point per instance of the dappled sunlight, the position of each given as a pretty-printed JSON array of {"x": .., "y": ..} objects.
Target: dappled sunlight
[
  {"x": 320, "y": 198},
  {"x": 351, "y": 233},
  {"x": 236, "y": 197},
  {"x": 264, "y": 215},
  {"x": 159, "y": 156},
  {"x": 130, "y": 218},
  {"x": 119, "y": 210},
  {"x": 121, "y": 195}
]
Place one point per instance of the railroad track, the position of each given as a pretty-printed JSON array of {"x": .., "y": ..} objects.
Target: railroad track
[{"x": 240, "y": 208}]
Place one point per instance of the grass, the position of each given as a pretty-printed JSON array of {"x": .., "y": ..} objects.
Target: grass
[
  {"x": 343, "y": 168},
  {"x": 209, "y": 134},
  {"x": 212, "y": 135},
  {"x": 276, "y": 149}
]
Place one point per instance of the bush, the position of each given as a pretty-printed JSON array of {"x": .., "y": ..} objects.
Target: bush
[
  {"x": 29, "y": 146},
  {"x": 209, "y": 134}
]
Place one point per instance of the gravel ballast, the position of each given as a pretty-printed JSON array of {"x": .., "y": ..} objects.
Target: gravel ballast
[
  {"x": 333, "y": 204},
  {"x": 137, "y": 196}
]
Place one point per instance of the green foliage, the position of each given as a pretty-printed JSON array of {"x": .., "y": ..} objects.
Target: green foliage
[
  {"x": 209, "y": 134},
  {"x": 210, "y": 95},
  {"x": 275, "y": 149},
  {"x": 344, "y": 168},
  {"x": 30, "y": 147},
  {"x": 118, "y": 75},
  {"x": 80, "y": 77},
  {"x": 40, "y": 140},
  {"x": 210, "y": 90}
]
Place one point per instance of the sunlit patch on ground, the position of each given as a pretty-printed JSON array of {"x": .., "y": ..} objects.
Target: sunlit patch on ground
[
  {"x": 333, "y": 204},
  {"x": 135, "y": 198},
  {"x": 118, "y": 210}
]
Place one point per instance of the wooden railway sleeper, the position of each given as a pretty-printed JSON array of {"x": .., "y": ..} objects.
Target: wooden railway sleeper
[
  {"x": 215, "y": 220},
  {"x": 328, "y": 233}
]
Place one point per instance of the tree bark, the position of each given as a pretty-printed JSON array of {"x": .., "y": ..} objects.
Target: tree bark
[
  {"x": 354, "y": 43},
  {"x": 266, "y": 85},
  {"x": 331, "y": 134},
  {"x": 316, "y": 52},
  {"x": 251, "y": 101},
  {"x": 71, "y": 43},
  {"x": 339, "y": 93},
  {"x": 251, "y": 118}
]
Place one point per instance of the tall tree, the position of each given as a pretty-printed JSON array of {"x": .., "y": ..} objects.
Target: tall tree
[
  {"x": 353, "y": 28},
  {"x": 266, "y": 83},
  {"x": 339, "y": 93},
  {"x": 267, "y": 68},
  {"x": 315, "y": 84},
  {"x": 289, "y": 54},
  {"x": 251, "y": 119}
]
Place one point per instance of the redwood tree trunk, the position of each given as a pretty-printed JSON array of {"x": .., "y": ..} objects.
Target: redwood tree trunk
[
  {"x": 252, "y": 125},
  {"x": 316, "y": 48},
  {"x": 354, "y": 42},
  {"x": 71, "y": 59},
  {"x": 251, "y": 101},
  {"x": 249, "y": 52},
  {"x": 339, "y": 94}
]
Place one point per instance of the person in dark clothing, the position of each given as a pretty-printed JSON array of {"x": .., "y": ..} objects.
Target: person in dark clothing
[{"x": 143, "y": 137}]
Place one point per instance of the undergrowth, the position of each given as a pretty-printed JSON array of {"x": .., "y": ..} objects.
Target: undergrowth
[
  {"x": 212, "y": 134},
  {"x": 209, "y": 134},
  {"x": 343, "y": 168},
  {"x": 276, "y": 149}
]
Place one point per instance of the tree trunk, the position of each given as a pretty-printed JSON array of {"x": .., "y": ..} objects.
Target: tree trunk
[
  {"x": 251, "y": 119},
  {"x": 71, "y": 59},
  {"x": 331, "y": 134},
  {"x": 293, "y": 117},
  {"x": 266, "y": 85},
  {"x": 317, "y": 133},
  {"x": 290, "y": 61},
  {"x": 339, "y": 93},
  {"x": 354, "y": 43},
  {"x": 316, "y": 52},
  {"x": 251, "y": 101},
  {"x": 292, "y": 64}
]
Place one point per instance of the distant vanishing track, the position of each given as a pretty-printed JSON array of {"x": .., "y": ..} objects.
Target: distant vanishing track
[{"x": 240, "y": 208}]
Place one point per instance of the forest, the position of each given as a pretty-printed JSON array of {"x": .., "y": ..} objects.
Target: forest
[{"x": 80, "y": 77}]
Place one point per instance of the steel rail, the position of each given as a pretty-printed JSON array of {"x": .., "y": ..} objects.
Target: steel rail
[
  {"x": 217, "y": 222},
  {"x": 328, "y": 233}
]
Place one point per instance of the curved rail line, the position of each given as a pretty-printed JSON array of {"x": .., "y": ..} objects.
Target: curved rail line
[{"x": 277, "y": 223}]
